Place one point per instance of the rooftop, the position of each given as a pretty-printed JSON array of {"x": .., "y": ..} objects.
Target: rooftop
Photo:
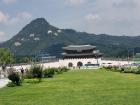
[
  {"x": 87, "y": 54},
  {"x": 79, "y": 47}
]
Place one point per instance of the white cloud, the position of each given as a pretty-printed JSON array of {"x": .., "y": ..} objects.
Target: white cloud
[
  {"x": 116, "y": 17},
  {"x": 2, "y": 33},
  {"x": 9, "y": 20},
  {"x": 24, "y": 15},
  {"x": 19, "y": 17},
  {"x": 92, "y": 17},
  {"x": 3, "y": 17},
  {"x": 2, "y": 36},
  {"x": 125, "y": 3},
  {"x": 9, "y": 1},
  {"x": 77, "y": 2}
]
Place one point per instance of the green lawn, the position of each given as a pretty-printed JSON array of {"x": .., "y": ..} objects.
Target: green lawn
[{"x": 85, "y": 87}]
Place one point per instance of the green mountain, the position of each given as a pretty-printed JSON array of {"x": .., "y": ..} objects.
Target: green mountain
[{"x": 39, "y": 35}]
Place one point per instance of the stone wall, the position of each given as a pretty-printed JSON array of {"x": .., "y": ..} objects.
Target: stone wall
[{"x": 83, "y": 61}]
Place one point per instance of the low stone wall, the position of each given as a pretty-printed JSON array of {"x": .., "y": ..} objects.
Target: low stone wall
[
  {"x": 45, "y": 65},
  {"x": 115, "y": 63},
  {"x": 83, "y": 61}
]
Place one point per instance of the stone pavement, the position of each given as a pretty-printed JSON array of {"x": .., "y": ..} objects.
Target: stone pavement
[{"x": 3, "y": 82}]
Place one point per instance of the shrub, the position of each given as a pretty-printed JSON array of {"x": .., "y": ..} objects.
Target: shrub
[
  {"x": 15, "y": 78},
  {"x": 136, "y": 70},
  {"x": 58, "y": 70},
  {"x": 122, "y": 69},
  {"x": 108, "y": 67},
  {"x": 64, "y": 69},
  {"x": 111, "y": 68},
  {"x": 36, "y": 72},
  {"x": 133, "y": 70},
  {"x": 10, "y": 70},
  {"x": 11, "y": 84},
  {"x": 128, "y": 70},
  {"x": 28, "y": 75},
  {"x": 61, "y": 70},
  {"x": 49, "y": 73}
]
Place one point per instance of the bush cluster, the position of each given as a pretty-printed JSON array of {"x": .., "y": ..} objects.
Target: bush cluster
[
  {"x": 33, "y": 75},
  {"x": 15, "y": 78},
  {"x": 135, "y": 70},
  {"x": 61, "y": 70},
  {"x": 37, "y": 71},
  {"x": 49, "y": 73}
]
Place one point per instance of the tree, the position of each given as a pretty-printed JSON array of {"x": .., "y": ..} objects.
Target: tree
[{"x": 5, "y": 58}]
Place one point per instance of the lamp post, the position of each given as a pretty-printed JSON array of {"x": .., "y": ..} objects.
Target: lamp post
[
  {"x": 128, "y": 56},
  {"x": 133, "y": 54}
]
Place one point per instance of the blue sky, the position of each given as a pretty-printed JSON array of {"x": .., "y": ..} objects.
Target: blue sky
[{"x": 115, "y": 17}]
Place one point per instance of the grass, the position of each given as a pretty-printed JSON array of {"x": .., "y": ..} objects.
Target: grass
[{"x": 85, "y": 87}]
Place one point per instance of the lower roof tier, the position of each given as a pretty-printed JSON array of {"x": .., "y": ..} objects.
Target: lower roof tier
[{"x": 90, "y": 55}]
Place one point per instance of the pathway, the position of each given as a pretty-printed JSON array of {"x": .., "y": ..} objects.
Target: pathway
[{"x": 3, "y": 82}]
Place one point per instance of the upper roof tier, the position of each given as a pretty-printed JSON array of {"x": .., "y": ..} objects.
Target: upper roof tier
[{"x": 79, "y": 47}]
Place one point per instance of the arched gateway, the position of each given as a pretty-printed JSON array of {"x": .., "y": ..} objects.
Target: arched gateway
[
  {"x": 70, "y": 65},
  {"x": 79, "y": 64}
]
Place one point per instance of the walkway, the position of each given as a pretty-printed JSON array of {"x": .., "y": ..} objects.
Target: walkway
[{"x": 3, "y": 82}]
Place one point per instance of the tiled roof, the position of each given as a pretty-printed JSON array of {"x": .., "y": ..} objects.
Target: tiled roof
[{"x": 79, "y": 47}]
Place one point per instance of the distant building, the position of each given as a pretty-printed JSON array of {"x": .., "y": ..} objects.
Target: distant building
[
  {"x": 44, "y": 57},
  {"x": 136, "y": 50},
  {"x": 80, "y": 56}
]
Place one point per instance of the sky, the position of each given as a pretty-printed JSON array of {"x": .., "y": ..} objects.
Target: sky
[{"x": 114, "y": 17}]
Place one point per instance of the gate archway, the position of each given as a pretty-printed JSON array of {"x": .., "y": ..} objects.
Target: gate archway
[
  {"x": 70, "y": 65},
  {"x": 79, "y": 64}
]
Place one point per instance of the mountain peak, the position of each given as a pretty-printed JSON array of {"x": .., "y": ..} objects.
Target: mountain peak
[
  {"x": 39, "y": 21},
  {"x": 36, "y": 26}
]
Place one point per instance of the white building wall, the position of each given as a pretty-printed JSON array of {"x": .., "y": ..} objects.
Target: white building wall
[
  {"x": 115, "y": 63},
  {"x": 65, "y": 62},
  {"x": 45, "y": 65},
  {"x": 51, "y": 65}
]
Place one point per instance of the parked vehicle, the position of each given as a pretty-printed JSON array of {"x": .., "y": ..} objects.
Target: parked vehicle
[{"x": 90, "y": 66}]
